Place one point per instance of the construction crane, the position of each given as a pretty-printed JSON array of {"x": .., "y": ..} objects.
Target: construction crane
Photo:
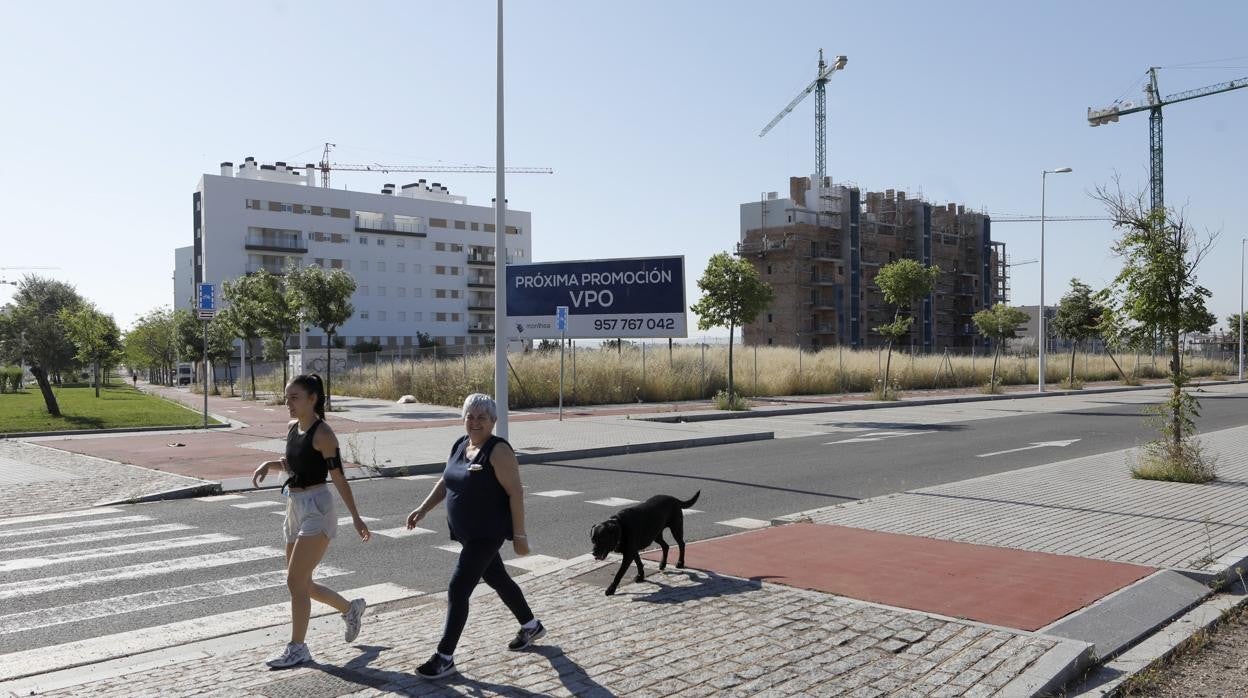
[
  {"x": 819, "y": 88},
  {"x": 1048, "y": 219},
  {"x": 14, "y": 283},
  {"x": 325, "y": 166},
  {"x": 1111, "y": 113}
]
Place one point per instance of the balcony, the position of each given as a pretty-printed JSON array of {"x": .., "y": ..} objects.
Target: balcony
[
  {"x": 827, "y": 253},
  {"x": 480, "y": 308},
  {"x": 480, "y": 259},
  {"x": 480, "y": 282},
  {"x": 480, "y": 328},
  {"x": 276, "y": 243},
  {"x": 275, "y": 269},
  {"x": 376, "y": 224},
  {"x": 823, "y": 279}
]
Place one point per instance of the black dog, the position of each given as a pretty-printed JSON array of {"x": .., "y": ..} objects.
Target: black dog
[{"x": 635, "y": 527}]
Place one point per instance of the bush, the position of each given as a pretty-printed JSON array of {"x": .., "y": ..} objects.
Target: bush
[
  {"x": 10, "y": 379},
  {"x": 1185, "y": 462},
  {"x": 736, "y": 403}
]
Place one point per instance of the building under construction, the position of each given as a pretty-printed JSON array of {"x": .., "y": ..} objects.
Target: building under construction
[{"x": 821, "y": 247}]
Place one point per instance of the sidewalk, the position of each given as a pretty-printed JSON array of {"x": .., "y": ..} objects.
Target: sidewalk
[{"x": 1011, "y": 584}]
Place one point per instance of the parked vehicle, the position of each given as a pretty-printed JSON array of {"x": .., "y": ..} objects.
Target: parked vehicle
[{"x": 186, "y": 374}]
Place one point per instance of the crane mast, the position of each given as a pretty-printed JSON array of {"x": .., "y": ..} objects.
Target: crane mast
[{"x": 819, "y": 87}]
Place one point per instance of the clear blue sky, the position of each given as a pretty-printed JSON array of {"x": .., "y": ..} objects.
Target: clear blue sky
[{"x": 647, "y": 111}]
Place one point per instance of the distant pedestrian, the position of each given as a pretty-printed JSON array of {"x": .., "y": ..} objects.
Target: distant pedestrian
[
  {"x": 484, "y": 507},
  {"x": 311, "y": 457}
]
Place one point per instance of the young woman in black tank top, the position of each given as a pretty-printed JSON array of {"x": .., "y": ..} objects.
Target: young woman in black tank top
[{"x": 311, "y": 457}]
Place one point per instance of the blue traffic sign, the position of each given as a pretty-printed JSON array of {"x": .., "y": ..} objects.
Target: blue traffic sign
[
  {"x": 561, "y": 318},
  {"x": 207, "y": 297}
]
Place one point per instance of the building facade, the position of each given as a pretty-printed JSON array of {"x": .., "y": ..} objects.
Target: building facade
[
  {"x": 423, "y": 259},
  {"x": 821, "y": 247}
]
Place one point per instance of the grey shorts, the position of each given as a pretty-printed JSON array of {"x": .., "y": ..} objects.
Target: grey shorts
[{"x": 310, "y": 512}]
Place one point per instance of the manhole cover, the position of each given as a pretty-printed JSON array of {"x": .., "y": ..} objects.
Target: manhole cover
[{"x": 321, "y": 684}]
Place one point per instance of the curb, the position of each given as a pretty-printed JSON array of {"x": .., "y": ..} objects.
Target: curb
[
  {"x": 119, "y": 430},
  {"x": 204, "y": 490}
]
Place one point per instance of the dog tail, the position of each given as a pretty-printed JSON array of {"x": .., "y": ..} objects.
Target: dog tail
[{"x": 692, "y": 500}]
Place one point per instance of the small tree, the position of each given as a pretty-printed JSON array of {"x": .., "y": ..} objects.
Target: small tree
[
  {"x": 34, "y": 331},
  {"x": 246, "y": 313},
  {"x": 322, "y": 299},
  {"x": 1078, "y": 318},
  {"x": 903, "y": 282},
  {"x": 96, "y": 337},
  {"x": 278, "y": 319},
  {"x": 1157, "y": 288},
  {"x": 732, "y": 295},
  {"x": 998, "y": 323},
  {"x": 154, "y": 343}
]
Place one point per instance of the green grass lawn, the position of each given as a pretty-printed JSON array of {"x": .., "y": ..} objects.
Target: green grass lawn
[{"x": 119, "y": 406}]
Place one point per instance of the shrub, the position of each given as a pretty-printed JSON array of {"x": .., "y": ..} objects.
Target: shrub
[{"x": 724, "y": 401}]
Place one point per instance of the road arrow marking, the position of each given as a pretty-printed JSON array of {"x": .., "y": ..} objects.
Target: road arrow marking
[
  {"x": 879, "y": 436},
  {"x": 1034, "y": 444}
]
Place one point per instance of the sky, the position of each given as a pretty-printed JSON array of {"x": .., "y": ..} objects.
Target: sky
[{"x": 648, "y": 112}]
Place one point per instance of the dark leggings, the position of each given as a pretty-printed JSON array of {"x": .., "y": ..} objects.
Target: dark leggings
[{"x": 479, "y": 561}]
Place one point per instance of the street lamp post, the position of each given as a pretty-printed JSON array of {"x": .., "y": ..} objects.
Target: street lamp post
[
  {"x": 1041, "y": 337},
  {"x": 1241, "y": 307}
]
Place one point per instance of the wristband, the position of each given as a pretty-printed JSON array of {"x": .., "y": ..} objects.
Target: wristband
[{"x": 517, "y": 535}]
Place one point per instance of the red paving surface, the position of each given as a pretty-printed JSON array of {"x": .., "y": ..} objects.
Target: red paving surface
[{"x": 1001, "y": 586}]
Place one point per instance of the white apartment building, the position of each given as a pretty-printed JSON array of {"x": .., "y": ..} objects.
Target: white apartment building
[{"x": 423, "y": 259}]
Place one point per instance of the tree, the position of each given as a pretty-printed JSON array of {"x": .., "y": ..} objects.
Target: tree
[
  {"x": 998, "y": 323},
  {"x": 34, "y": 331},
  {"x": 95, "y": 336},
  {"x": 153, "y": 342},
  {"x": 245, "y": 315},
  {"x": 1157, "y": 289},
  {"x": 278, "y": 319},
  {"x": 903, "y": 283},
  {"x": 732, "y": 295},
  {"x": 322, "y": 299},
  {"x": 1232, "y": 334},
  {"x": 1078, "y": 318}
]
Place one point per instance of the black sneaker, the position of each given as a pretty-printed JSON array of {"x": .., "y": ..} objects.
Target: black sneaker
[
  {"x": 436, "y": 667},
  {"x": 524, "y": 637}
]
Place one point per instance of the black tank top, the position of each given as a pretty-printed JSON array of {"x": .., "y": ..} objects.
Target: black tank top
[
  {"x": 307, "y": 465},
  {"x": 477, "y": 506}
]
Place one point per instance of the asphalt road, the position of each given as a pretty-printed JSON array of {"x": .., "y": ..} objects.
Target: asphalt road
[{"x": 751, "y": 481}]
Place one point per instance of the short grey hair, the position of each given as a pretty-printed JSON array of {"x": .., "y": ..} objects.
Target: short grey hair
[{"x": 482, "y": 401}]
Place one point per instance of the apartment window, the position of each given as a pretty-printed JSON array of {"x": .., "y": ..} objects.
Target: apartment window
[
  {"x": 768, "y": 317},
  {"x": 381, "y": 315},
  {"x": 319, "y": 262},
  {"x": 363, "y": 265},
  {"x": 454, "y": 317},
  {"x": 439, "y": 293},
  {"x": 364, "y": 290},
  {"x": 437, "y": 222},
  {"x": 769, "y": 340},
  {"x": 489, "y": 227},
  {"x": 415, "y": 268},
  {"x": 381, "y": 242},
  {"x": 339, "y": 213},
  {"x": 440, "y": 270},
  {"x": 454, "y": 271},
  {"x": 318, "y": 210},
  {"x": 416, "y": 292},
  {"x": 418, "y": 316},
  {"x": 456, "y": 247},
  {"x": 335, "y": 264},
  {"x": 337, "y": 238},
  {"x": 381, "y": 266},
  {"x": 402, "y": 292},
  {"x": 513, "y": 230},
  {"x": 381, "y": 290},
  {"x": 297, "y": 208},
  {"x": 253, "y": 204},
  {"x": 439, "y": 317},
  {"x": 460, "y": 225},
  {"x": 439, "y": 247},
  {"x": 363, "y": 239},
  {"x": 363, "y": 314},
  {"x": 401, "y": 266},
  {"x": 400, "y": 242},
  {"x": 402, "y": 316},
  {"x": 476, "y": 226},
  {"x": 768, "y": 268}
]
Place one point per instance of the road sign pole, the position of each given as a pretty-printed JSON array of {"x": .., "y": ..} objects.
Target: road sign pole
[
  {"x": 562, "y": 342},
  {"x": 205, "y": 374}
]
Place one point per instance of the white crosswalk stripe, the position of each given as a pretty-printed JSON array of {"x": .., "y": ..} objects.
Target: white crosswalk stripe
[
  {"x": 219, "y": 498},
  {"x": 71, "y": 526},
  {"x": 256, "y": 505},
  {"x": 27, "y": 563},
  {"x": 146, "y": 600},
  {"x": 96, "y": 537},
  {"x": 17, "y": 520},
  {"x": 745, "y": 523},
  {"x": 555, "y": 493},
  {"x": 32, "y": 587},
  {"x": 402, "y": 532},
  {"x": 613, "y": 501}
]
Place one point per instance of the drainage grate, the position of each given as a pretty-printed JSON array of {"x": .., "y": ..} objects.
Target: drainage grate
[{"x": 321, "y": 684}]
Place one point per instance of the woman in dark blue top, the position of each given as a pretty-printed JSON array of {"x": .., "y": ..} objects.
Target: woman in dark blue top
[{"x": 484, "y": 507}]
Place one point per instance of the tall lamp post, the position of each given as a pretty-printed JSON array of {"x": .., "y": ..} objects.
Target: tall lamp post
[
  {"x": 1042, "y": 337},
  {"x": 1241, "y": 307}
]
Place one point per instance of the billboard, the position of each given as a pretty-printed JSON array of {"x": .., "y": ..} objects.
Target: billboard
[{"x": 605, "y": 298}]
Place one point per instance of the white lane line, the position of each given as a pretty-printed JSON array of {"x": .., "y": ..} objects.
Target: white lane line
[
  {"x": 96, "y": 537},
  {"x": 402, "y": 532},
  {"x": 451, "y": 547},
  {"x": 58, "y": 515},
  {"x": 613, "y": 501},
  {"x": 27, "y": 563},
  {"x": 71, "y": 525},
  {"x": 879, "y": 436},
  {"x": 219, "y": 498},
  {"x": 257, "y": 505},
  {"x": 534, "y": 563},
  {"x": 147, "y": 600},
  {"x": 98, "y": 649},
  {"x": 555, "y": 493},
  {"x": 745, "y": 523},
  {"x": 419, "y": 477},
  {"x": 31, "y": 587}
]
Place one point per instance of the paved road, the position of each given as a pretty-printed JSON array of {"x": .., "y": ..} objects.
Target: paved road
[{"x": 134, "y": 567}]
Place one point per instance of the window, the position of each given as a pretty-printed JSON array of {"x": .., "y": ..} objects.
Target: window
[
  {"x": 381, "y": 315},
  {"x": 456, "y": 247},
  {"x": 363, "y": 239},
  {"x": 402, "y": 316},
  {"x": 381, "y": 266},
  {"x": 439, "y": 317},
  {"x": 416, "y": 292},
  {"x": 460, "y": 225},
  {"x": 381, "y": 242},
  {"x": 319, "y": 262},
  {"x": 401, "y": 266},
  {"x": 297, "y": 208},
  {"x": 437, "y": 222},
  {"x": 381, "y": 290},
  {"x": 513, "y": 230},
  {"x": 253, "y": 204},
  {"x": 439, "y": 293},
  {"x": 318, "y": 210},
  {"x": 399, "y": 242},
  {"x": 454, "y": 317},
  {"x": 439, "y": 247},
  {"x": 335, "y": 263},
  {"x": 402, "y": 292},
  {"x": 768, "y": 317},
  {"x": 440, "y": 270},
  {"x": 454, "y": 271},
  {"x": 489, "y": 227},
  {"x": 768, "y": 268},
  {"x": 363, "y": 265},
  {"x": 476, "y": 226},
  {"x": 339, "y": 213},
  {"x": 363, "y": 314},
  {"x": 418, "y": 316}
]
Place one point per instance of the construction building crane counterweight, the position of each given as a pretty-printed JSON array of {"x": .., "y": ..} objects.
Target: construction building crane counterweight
[
  {"x": 819, "y": 88},
  {"x": 1110, "y": 114}
]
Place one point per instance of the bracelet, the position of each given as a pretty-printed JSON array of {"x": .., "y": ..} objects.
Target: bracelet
[{"x": 517, "y": 535}]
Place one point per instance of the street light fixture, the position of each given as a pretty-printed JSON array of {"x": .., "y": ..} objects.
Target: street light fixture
[{"x": 1041, "y": 337}]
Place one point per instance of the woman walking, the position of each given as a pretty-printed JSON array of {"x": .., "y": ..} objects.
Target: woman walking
[
  {"x": 484, "y": 507},
  {"x": 311, "y": 457}
]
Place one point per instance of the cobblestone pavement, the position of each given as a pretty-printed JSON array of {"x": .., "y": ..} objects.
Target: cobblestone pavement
[
  {"x": 682, "y": 632},
  {"x": 40, "y": 480}
]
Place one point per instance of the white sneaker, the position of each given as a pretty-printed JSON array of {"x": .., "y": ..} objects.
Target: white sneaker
[
  {"x": 353, "y": 617},
  {"x": 295, "y": 653}
]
